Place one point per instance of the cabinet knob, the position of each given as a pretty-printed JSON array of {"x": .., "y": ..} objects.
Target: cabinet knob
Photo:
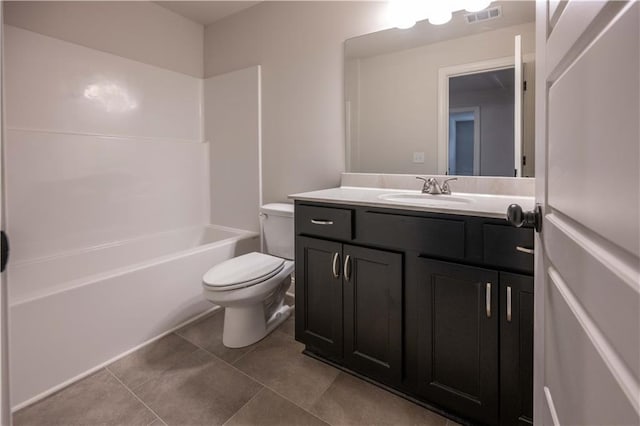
[{"x": 517, "y": 217}]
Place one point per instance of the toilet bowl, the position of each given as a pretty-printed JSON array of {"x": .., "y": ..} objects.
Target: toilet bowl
[{"x": 252, "y": 287}]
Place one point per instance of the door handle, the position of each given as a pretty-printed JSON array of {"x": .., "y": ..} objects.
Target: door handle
[
  {"x": 508, "y": 303},
  {"x": 5, "y": 250},
  {"x": 517, "y": 217},
  {"x": 487, "y": 295},
  {"x": 347, "y": 268},
  {"x": 335, "y": 269}
]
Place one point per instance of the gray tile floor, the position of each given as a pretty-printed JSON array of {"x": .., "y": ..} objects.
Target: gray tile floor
[{"x": 190, "y": 378}]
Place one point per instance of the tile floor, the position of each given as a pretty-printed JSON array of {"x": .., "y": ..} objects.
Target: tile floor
[{"x": 190, "y": 378}]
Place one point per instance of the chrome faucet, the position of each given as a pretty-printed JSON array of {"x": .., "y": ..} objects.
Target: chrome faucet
[{"x": 431, "y": 186}]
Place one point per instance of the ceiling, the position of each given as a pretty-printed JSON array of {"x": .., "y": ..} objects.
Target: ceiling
[
  {"x": 491, "y": 80},
  {"x": 206, "y": 12}
]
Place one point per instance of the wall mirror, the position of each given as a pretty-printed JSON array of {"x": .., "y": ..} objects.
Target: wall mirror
[{"x": 452, "y": 99}]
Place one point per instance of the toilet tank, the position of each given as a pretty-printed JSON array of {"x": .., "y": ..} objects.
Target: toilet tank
[{"x": 278, "y": 229}]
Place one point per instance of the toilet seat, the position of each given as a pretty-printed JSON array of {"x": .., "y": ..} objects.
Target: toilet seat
[{"x": 242, "y": 271}]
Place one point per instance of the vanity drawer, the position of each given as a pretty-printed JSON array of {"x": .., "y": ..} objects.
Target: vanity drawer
[
  {"x": 499, "y": 247},
  {"x": 326, "y": 222},
  {"x": 430, "y": 236}
]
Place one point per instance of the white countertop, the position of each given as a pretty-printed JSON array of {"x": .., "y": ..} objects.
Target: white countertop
[{"x": 485, "y": 205}]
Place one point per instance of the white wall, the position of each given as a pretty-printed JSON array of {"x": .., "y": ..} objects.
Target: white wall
[
  {"x": 138, "y": 30},
  {"x": 299, "y": 46},
  {"x": 398, "y": 98},
  {"x": 232, "y": 127},
  {"x": 496, "y": 127}
]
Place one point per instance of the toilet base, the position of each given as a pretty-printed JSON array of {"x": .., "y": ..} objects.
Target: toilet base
[{"x": 245, "y": 325}]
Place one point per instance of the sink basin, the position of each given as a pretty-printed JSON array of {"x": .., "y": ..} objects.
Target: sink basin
[{"x": 425, "y": 199}]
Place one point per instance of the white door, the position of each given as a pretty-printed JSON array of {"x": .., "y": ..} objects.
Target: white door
[
  {"x": 587, "y": 331},
  {"x": 5, "y": 411}
]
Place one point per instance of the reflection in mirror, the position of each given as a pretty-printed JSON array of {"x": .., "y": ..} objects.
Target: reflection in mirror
[
  {"x": 481, "y": 123},
  {"x": 450, "y": 99}
]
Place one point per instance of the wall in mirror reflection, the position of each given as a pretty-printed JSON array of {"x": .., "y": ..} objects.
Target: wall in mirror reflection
[{"x": 391, "y": 101}]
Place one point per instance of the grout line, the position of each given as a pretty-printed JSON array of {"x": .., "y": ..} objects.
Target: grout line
[
  {"x": 238, "y": 370},
  {"x": 245, "y": 404},
  {"x": 244, "y": 354},
  {"x": 272, "y": 389},
  {"x": 263, "y": 384},
  {"x": 151, "y": 377},
  {"x": 135, "y": 396},
  {"x": 160, "y": 420}
]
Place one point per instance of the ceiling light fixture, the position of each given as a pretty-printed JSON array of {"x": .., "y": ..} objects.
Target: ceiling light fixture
[
  {"x": 405, "y": 13},
  {"x": 476, "y": 5}
]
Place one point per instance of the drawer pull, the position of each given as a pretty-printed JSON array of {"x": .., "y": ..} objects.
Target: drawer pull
[
  {"x": 321, "y": 222},
  {"x": 347, "y": 268},
  {"x": 524, "y": 250},
  {"x": 508, "y": 303},
  {"x": 488, "y": 299},
  {"x": 335, "y": 269}
]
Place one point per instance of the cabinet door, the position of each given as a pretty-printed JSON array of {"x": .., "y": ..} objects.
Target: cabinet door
[
  {"x": 516, "y": 349},
  {"x": 373, "y": 313},
  {"x": 319, "y": 296},
  {"x": 457, "y": 332}
]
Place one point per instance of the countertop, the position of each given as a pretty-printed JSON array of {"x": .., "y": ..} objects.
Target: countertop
[{"x": 485, "y": 205}]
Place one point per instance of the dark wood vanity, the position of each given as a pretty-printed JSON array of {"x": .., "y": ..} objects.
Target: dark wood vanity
[{"x": 436, "y": 307}]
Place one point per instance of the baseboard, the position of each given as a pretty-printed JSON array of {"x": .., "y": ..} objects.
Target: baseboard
[{"x": 89, "y": 372}]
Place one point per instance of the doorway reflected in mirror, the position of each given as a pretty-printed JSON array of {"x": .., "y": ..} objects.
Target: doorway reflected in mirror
[{"x": 481, "y": 123}]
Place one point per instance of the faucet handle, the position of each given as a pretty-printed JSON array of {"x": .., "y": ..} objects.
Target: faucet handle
[
  {"x": 425, "y": 184},
  {"x": 445, "y": 185}
]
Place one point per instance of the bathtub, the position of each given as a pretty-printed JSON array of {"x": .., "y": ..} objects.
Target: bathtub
[{"x": 72, "y": 313}]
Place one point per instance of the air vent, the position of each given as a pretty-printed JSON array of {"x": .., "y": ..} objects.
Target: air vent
[{"x": 484, "y": 15}]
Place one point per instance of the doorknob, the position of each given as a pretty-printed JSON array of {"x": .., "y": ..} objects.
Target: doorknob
[{"x": 517, "y": 217}]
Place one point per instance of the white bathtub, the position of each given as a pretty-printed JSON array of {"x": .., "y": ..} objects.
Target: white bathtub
[{"x": 74, "y": 312}]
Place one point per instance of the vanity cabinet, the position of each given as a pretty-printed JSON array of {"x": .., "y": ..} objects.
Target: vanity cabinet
[
  {"x": 438, "y": 307},
  {"x": 373, "y": 312},
  {"x": 349, "y": 306},
  {"x": 516, "y": 349},
  {"x": 319, "y": 296},
  {"x": 456, "y": 311}
]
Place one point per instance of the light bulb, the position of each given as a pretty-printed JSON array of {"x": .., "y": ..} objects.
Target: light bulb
[
  {"x": 440, "y": 17},
  {"x": 402, "y": 13},
  {"x": 403, "y": 25}
]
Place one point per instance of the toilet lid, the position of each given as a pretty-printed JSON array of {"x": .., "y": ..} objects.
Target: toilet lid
[{"x": 243, "y": 270}]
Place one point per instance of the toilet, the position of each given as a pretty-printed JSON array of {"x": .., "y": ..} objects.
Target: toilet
[{"x": 252, "y": 287}]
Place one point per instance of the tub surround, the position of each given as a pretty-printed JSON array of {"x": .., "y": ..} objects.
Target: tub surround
[
  {"x": 99, "y": 148},
  {"x": 232, "y": 125},
  {"x": 107, "y": 187},
  {"x": 64, "y": 332}
]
